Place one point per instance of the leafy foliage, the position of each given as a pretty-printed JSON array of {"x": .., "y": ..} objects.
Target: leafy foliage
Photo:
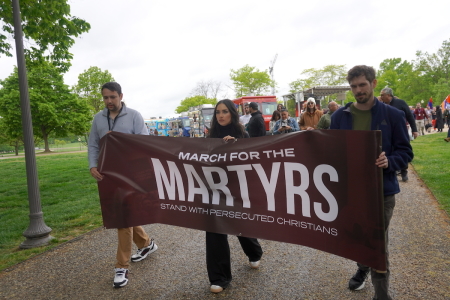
[
  {"x": 193, "y": 101},
  {"x": 53, "y": 108},
  {"x": 249, "y": 80},
  {"x": 89, "y": 87},
  {"x": 427, "y": 76},
  {"x": 328, "y": 75},
  {"x": 48, "y": 28}
]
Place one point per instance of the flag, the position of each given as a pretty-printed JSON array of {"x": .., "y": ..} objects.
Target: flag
[{"x": 430, "y": 103}]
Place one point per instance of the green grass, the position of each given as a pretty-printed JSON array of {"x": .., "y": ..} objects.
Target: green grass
[
  {"x": 71, "y": 206},
  {"x": 431, "y": 162},
  {"x": 69, "y": 199},
  {"x": 69, "y": 147}
]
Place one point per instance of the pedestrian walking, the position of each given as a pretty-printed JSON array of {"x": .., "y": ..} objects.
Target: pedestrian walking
[
  {"x": 118, "y": 117},
  {"x": 367, "y": 113},
  {"x": 225, "y": 125}
]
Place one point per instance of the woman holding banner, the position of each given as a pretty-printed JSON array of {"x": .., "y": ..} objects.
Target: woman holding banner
[{"x": 225, "y": 125}]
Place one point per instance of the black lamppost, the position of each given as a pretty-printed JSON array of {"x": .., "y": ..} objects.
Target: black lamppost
[{"x": 37, "y": 233}]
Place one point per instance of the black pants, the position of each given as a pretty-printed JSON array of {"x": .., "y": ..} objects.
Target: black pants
[{"x": 218, "y": 261}]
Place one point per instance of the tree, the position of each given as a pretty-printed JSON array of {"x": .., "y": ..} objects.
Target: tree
[
  {"x": 7, "y": 139},
  {"x": 47, "y": 26},
  {"x": 441, "y": 90},
  {"x": 193, "y": 101},
  {"x": 53, "y": 108},
  {"x": 89, "y": 87},
  {"x": 433, "y": 68},
  {"x": 249, "y": 80},
  {"x": 327, "y": 76},
  {"x": 405, "y": 79},
  {"x": 208, "y": 89}
]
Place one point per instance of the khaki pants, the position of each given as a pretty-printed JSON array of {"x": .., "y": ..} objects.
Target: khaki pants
[
  {"x": 420, "y": 126},
  {"x": 126, "y": 237}
]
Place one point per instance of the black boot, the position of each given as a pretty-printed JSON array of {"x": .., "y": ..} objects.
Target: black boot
[{"x": 404, "y": 175}]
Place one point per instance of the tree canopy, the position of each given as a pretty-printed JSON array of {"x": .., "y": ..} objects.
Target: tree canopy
[
  {"x": 48, "y": 28},
  {"x": 89, "y": 87},
  {"x": 249, "y": 80},
  {"x": 193, "y": 101},
  {"x": 328, "y": 75},
  {"x": 426, "y": 76},
  {"x": 54, "y": 109}
]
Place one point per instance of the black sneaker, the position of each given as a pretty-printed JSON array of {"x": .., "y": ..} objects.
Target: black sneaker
[
  {"x": 405, "y": 176},
  {"x": 357, "y": 282},
  {"x": 120, "y": 278},
  {"x": 143, "y": 252}
]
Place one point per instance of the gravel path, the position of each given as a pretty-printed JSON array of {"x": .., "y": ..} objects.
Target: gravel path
[{"x": 83, "y": 268}]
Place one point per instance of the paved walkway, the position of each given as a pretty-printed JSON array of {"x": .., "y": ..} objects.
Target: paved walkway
[{"x": 83, "y": 268}]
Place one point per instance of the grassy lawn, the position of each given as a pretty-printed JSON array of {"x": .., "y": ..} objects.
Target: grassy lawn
[
  {"x": 71, "y": 206},
  {"x": 431, "y": 161},
  {"x": 69, "y": 147},
  {"x": 69, "y": 201}
]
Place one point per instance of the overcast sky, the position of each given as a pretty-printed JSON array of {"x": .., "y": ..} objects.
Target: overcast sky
[{"x": 159, "y": 50}]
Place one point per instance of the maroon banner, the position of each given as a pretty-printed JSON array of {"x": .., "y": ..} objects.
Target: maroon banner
[{"x": 317, "y": 188}]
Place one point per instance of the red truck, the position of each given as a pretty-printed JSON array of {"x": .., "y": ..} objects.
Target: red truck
[{"x": 267, "y": 104}]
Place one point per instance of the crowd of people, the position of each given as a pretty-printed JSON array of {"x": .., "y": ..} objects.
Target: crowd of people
[{"x": 387, "y": 113}]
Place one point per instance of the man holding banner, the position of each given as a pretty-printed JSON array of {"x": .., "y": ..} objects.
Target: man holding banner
[
  {"x": 367, "y": 113},
  {"x": 117, "y": 117}
]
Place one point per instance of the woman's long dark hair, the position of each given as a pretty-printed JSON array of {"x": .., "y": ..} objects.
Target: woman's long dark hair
[
  {"x": 275, "y": 113},
  {"x": 236, "y": 128}
]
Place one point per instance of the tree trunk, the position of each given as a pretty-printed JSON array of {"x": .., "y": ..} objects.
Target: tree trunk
[
  {"x": 16, "y": 148},
  {"x": 45, "y": 138}
]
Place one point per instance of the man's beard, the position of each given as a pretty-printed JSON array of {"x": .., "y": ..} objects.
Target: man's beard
[{"x": 363, "y": 100}]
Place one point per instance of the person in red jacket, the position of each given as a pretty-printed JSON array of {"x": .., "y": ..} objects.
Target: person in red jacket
[{"x": 420, "y": 115}]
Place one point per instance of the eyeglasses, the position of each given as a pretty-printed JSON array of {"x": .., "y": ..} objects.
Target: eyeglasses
[{"x": 311, "y": 103}]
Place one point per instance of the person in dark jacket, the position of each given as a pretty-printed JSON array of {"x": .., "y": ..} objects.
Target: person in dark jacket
[
  {"x": 225, "y": 125},
  {"x": 367, "y": 113},
  {"x": 387, "y": 96},
  {"x": 439, "y": 119},
  {"x": 256, "y": 126}
]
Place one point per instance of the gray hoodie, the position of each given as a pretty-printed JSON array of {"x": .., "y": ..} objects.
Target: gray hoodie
[{"x": 128, "y": 121}]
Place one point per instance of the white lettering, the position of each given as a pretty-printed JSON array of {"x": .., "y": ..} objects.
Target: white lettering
[
  {"x": 240, "y": 170},
  {"x": 318, "y": 172},
  {"x": 221, "y": 185},
  {"x": 269, "y": 185},
  {"x": 291, "y": 190},
  {"x": 175, "y": 178},
  {"x": 183, "y": 156},
  {"x": 254, "y": 155},
  {"x": 202, "y": 190}
]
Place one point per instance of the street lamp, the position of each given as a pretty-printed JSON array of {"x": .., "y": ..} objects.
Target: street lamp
[{"x": 37, "y": 233}]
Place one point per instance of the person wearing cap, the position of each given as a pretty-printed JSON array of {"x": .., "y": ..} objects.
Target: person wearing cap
[
  {"x": 310, "y": 118},
  {"x": 246, "y": 117},
  {"x": 256, "y": 126}
]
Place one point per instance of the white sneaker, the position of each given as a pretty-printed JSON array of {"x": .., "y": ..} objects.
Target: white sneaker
[
  {"x": 255, "y": 264},
  {"x": 144, "y": 252},
  {"x": 216, "y": 289},
  {"x": 121, "y": 277}
]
